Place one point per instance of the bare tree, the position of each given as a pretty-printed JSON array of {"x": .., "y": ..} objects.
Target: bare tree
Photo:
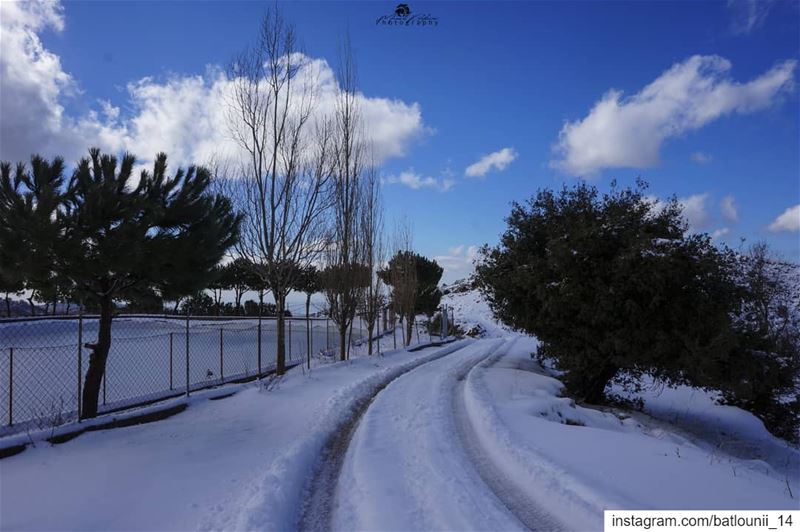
[
  {"x": 286, "y": 163},
  {"x": 402, "y": 275},
  {"x": 344, "y": 276},
  {"x": 373, "y": 241}
]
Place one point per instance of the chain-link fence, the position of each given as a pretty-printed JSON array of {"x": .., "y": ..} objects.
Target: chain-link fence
[{"x": 43, "y": 361}]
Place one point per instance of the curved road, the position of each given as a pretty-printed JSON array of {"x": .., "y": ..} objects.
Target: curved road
[{"x": 408, "y": 461}]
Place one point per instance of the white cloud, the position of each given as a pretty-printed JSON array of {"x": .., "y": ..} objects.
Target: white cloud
[
  {"x": 719, "y": 233},
  {"x": 183, "y": 116},
  {"x": 701, "y": 158},
  {"x": 498, "y": 160},
  {"x": 32, "y": 81},
  {"x": 416, "y": 181},
  {"x": 788, "y": 221},
  {"x": 628, "y": 132},
  {"x": 458, "y": 263},
  {"x": 748, "y": 15},
  {"x": 693, "y": 208},
  {"x": 728, "y": 207}
]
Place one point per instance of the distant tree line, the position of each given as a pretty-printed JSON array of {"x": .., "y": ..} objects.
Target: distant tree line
[{"x": 615, "y": 288}]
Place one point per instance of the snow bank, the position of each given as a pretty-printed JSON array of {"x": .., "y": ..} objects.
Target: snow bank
[{"x": 583, "y": 460}]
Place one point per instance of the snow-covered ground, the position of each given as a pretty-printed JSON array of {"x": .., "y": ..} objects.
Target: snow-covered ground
[
  {"x": 580, "y": 461},
  {"x": 683, "y": 451},
  {"x": 147, "y": 359},
  {"x": 471, "y": 435},
  {"x": 235, "y": 463}
]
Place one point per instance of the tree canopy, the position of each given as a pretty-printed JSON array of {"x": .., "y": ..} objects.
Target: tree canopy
[
  {"x": 613, "y": 286},
  {"x": 111, "y": 236}
]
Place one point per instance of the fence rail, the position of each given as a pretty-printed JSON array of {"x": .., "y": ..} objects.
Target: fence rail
[{"x": 43, "y": 360}]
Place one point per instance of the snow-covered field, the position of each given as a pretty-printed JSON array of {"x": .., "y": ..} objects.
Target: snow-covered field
[
  {"x": 147, "y": 359},
  {"x": 472, "y": 435}
]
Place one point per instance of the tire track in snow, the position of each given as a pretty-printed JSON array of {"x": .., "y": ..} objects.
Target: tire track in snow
[
  {"x": 317, "y": 512},
  {"x": 515, "y": 500}
]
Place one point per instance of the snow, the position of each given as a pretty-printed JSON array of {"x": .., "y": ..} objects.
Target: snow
[
  {"x": 472, "y": 435},
  {"x": 583, "y": 460},
  {"x": 239, "y": 462},
  {"x": 427, "y": 482},
  {"x": 471, "y": 311},
  {"x": 142, "y": 352}
]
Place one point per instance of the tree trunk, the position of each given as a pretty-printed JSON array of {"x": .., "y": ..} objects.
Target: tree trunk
[
  {"x": 350, "y": 337},
  {"x": 8, "y": 306},
  {"x": 97, "y": 360},
  {"x": 343, "y": 342},
  {"x": 238, "y": 296},
  {"x": 280, "y": 355},
  {"x": 308, "y": 330},
  {"x": 409, "y": 330},
  {"x": 33, "y": 308},
  {"x": 370, "y": 327},
  {"x": 596, "y": 384}
]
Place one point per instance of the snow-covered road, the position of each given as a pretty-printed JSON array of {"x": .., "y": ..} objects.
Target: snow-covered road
[
  {"x": 412, "y": 464},
  {"x": 472, "y": 435}
]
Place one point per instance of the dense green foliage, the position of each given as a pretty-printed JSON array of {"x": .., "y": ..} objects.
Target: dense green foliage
[
  {"x": 614, "y": 287},
  {"x": 111, "y": 237},
  {"x": 427, "y": 276}
]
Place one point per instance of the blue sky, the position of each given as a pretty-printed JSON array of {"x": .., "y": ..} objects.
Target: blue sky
[{"x": 717, "y": 125}]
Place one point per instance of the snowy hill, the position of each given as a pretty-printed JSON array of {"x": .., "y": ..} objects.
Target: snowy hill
[{"x": 471, "y": 310}]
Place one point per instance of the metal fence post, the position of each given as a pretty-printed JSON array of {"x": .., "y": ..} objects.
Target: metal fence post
[
  {"x": 394, "y": 333},
  {"x": 416, "y": 326},
  {"x": 221, "y": 370},
  {"x": 290, "y": 340},
  {"x": 80, "y": 359},
  {"x": 170, "y": 361},
  {"x": 105, "y": 374},
  {"x": 327, "y": 334},
  {"x": 259, "y": 342},
  {"x": 187, "y": 354},
  {"x": 10, "y": 386}
]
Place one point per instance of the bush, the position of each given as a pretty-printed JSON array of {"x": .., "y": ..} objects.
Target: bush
[{"x": 612, "y": 285}]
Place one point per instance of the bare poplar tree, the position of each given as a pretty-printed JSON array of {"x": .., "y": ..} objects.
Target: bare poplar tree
[
  {"x": 403, "y": 278},
  {"x": 344, "y": 276},
  {"x": 374, "y": 253},
  {"x": 286, "y": 163}
]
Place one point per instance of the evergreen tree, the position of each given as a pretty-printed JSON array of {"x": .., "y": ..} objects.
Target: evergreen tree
[
  {"x": 608, "y": 284},
  {"x": 414, "y": 292},
  {"x": 29, "y": 230},
  {"x": 614, "y": 287},
  {"x": 111, "y": 236},
  {"x": 238, "y": 276}
]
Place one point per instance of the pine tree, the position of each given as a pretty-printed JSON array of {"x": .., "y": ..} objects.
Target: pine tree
[
  {"x": 415, "y": 286},
  {"x": 113, "y": 237},
  {"x": 28, "y": 227}
]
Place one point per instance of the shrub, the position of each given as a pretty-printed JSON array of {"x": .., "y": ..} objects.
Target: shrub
[{"x": 613, "y": 285}]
